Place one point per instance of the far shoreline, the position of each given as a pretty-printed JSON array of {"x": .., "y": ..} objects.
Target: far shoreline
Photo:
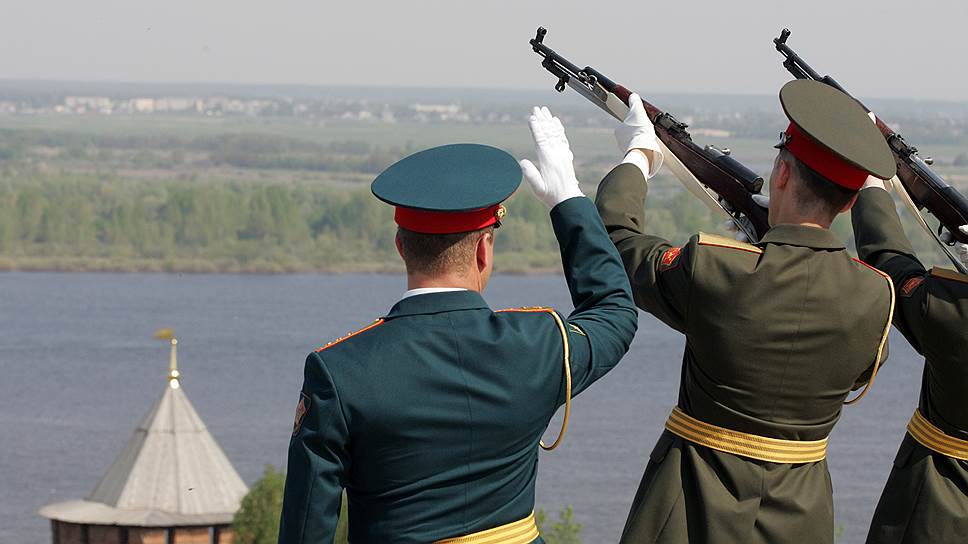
[{"x": 7, "y": 267}]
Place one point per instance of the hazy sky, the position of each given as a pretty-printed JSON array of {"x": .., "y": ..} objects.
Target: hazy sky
[{"x": 884, "y": 48}]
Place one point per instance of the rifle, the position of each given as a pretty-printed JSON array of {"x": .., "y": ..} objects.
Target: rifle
[
  {"x": 707, "y": 168},
  {"x": 923, "y": 188}
]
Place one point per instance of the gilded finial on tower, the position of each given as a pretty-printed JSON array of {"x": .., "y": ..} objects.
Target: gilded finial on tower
[{"x": 173, "y": 373}]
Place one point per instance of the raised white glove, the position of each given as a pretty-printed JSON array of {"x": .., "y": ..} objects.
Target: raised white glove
[
  {"x": 762, "y": 201},
  {"x": 553, "y": 180},
  {"x": 961, "y": 250},
  {"x": 637, "y": 132},
  {"x": 873, "y": 182}
]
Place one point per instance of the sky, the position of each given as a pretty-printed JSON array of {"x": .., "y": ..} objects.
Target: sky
[{"x": 884, "y": 48}]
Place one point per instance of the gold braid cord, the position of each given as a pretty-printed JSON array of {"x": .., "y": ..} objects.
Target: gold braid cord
[
  {"x": 567, "y": 358},
  {"x": 880, "y": 348},
  {"x": 564, "y": 421}
]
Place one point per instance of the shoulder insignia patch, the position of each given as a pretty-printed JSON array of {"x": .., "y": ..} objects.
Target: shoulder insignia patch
[
  {"x": 910, "y": 285},
  {"x": 714, "y": 240},
  {"x": 302, "y": 408},
  {"x": 350, "y": 335},
  {"x": 946, "y": 274},
  {"x": 669, "y": 258}
]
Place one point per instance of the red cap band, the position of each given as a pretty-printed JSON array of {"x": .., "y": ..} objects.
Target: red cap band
[
  {"x": 822, "y": 160},
  {"x": 426, "y": 222}
]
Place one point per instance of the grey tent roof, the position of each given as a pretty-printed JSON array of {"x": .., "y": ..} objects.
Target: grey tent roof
[{"x": 170, "y": 473}]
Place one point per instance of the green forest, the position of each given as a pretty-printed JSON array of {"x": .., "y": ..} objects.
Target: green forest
[
  {"x": 84, "y": 222},
  {"x": 255, "y": 197}
]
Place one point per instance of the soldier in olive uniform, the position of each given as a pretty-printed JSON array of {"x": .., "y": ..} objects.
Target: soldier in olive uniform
[
  {"x": 926, "y": 496},
  {"x": 778, "y": 333},
  {"x": 431, "y": 417}
]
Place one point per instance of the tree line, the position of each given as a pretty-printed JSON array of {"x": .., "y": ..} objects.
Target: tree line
[{"x": 83, "y": 221}]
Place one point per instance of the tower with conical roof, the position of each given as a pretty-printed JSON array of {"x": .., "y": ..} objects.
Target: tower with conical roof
[{"x": 171, "y": 484}]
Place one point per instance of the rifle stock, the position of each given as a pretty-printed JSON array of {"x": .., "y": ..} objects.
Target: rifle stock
[{"x": 734, "y": 184}]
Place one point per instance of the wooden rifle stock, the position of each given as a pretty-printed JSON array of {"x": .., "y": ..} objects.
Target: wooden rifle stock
[
  {"x": 734, "y": 184},
  {"x": 733, "y": 190},
  {"x": 943, "y": 201}
]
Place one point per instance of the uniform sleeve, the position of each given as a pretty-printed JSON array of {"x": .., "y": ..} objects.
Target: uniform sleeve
[
  {"x": 660, "y": 274},
  {"x": 318, "y": 461},
  {"x": 604, "y": 321},
  {"x": 881, "y": 243}
]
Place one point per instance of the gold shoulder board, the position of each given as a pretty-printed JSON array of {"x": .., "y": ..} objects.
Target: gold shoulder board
[
  {"x": 714, "y": 240},
  {"x": 946, "y": 274},
  {"x": 350, "y": 335},
  {"x": 526, "y": 309}
]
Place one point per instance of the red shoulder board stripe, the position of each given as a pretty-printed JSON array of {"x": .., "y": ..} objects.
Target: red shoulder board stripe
[
  {"x": 350, "y": 335},
  {"x": 878, "y": 270}
]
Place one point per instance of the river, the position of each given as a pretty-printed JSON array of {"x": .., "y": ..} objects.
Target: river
[{"x": 79, "y": 369}]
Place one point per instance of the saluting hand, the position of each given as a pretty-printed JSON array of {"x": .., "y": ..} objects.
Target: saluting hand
[
  {"x": 961, "y": 250},
  {"x": 637, "y": 133},
  {"x": 730, "y": 226},
  {"x": 553, "y": 179}
]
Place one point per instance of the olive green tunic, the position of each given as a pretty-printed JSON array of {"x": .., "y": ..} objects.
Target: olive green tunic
[
  {"x": 926, "y": 496},
  {"x": 777, "y": 335},
  {"x": 430, "y": 419}
]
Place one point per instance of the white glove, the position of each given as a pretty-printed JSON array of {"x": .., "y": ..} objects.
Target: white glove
[
  {"x": 873, "y": 182},
  {"x": 553, "y": 180},
  {"x": 961, "y": 250},
  {"x": 637, "y": 132},
  {"x": 762, "y": 201}
]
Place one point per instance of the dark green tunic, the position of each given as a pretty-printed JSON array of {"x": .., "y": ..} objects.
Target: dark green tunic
[
  {"x": 431, "y": 420},
  {"x": 926, "y": 496},
  {"x": 777, "y": 335}
]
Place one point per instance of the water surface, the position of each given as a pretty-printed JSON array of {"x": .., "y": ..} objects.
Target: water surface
[{"x": 78, "y": 370}]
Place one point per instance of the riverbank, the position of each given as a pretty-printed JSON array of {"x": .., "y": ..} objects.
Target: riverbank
[{"x": 516, "y": 265}]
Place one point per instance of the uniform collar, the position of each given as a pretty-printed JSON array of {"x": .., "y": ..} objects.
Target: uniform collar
[
  {"x": 433, "y": 303},
  {"x": 428, "y": 290},
  {"x": 800, "y": 235}
]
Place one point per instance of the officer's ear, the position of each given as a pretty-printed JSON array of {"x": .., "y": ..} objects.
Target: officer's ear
[
  {"x": 850, "y": 203},
  {"x": 485, "y": 250},
  {"x": 782, "y": 174},
  {"x": 399, "y": 244}
]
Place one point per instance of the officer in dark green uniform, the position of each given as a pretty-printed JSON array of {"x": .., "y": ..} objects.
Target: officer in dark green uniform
[
  {"x": 926, "y": 496},
  {"x": 430, "y": 418},
  {"x": 777, "y": 333}
]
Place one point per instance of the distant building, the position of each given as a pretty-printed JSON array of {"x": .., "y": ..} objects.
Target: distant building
[
  {"x": 711, "y": 132},
  {"x": 143, "y": 105},
  {"x": 88, "y": 104},
  {"x": 441, "y": 109},
  {"x": 176, "y": 105},
  {"x": 171, "y": 484}
]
